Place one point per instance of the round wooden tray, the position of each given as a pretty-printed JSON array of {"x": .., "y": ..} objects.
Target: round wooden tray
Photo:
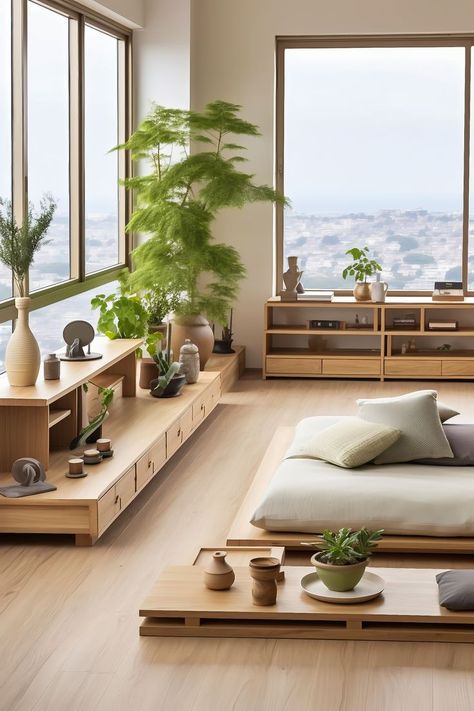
[{"x": 369, "y": 587}]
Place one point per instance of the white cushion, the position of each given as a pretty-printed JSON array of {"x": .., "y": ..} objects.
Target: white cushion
[
  {"x": 349, "y": 443},
  {"x": 416, "y": 416}
]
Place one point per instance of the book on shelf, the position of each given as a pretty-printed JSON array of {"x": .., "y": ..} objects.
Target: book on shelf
[
  {"x": 325, "y": 324},
  {"x": 442, "y": 325},
  {"x": 403, "y": 323},
  {"x": 448, "y": 291},
  {"x": 316, "y": 296}
]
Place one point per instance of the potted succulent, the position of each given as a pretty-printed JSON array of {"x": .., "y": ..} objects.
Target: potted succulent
[
  {"x": 18, "y": 246},
  {"x": 361, "y": 268},
  {"x": 170, "y": 381},
  {"x": 176, "y": 202},
  {"x": 343, "y": 556}
]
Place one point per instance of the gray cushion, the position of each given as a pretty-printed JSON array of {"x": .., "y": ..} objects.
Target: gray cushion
[
  {"x": 446, "y": 412},
  {"x": 456, "y": 589},
  {"x": 416, "y": 416},
  {"x": 461, "y": 440}
]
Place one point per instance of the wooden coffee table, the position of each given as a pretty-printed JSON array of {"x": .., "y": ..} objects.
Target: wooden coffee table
[{"x": 180, "y": 605}]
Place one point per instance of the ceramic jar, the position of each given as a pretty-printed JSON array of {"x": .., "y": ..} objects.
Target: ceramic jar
[
  {"x": 189, "y": 359},
  {"x": 265, "y": 572},
  {"x": 197, "y": 329},
  {"x": 148, "y": 372},
  {"x": 362, "y": 291},
  {"x": 22, "y": 356},
  {"x": 52, "y": 367},
  {"x": 218, "y": 574}
]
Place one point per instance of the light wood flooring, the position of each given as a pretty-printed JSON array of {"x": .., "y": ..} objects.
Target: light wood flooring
[{"x": 68, "y": 616}]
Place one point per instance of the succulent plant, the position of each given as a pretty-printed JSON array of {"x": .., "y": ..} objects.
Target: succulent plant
[{"x": 346, "y": 547}]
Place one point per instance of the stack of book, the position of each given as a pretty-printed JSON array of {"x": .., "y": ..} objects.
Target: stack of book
[
  {"x": 404, "y": 323},
  {"x": 325, "y": 324},
  {"x": 442, "y": 325}
]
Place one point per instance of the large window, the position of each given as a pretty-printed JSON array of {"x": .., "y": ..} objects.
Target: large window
[
  {"x": 374, "y": 142},
  {"x": 63, "y": 106}
]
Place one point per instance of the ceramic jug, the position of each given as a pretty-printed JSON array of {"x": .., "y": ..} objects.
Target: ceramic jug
[{"x": 378, "y": 289}]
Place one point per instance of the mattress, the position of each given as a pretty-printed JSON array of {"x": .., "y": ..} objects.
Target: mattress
[{"x": 309, "y": 495}]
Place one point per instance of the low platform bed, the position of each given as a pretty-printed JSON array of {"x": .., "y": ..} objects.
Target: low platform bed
[{"x": 244, "y": 533}]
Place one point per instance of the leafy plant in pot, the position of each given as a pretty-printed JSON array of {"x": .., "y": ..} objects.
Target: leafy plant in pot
[
  {"x": 159, "y": 304},
  {"x": 170, "y": 381},
  {"x": 18, "y": 246},
  {"x": 343, "y": 556},
  {"x": 361, "y": 268},
  {"x": 176, "y": 204}
]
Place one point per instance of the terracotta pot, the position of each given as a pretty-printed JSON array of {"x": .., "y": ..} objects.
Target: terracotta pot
[
  {"x": 265, "y": 572},
  {"x": 22, "y": 356},
  {"x": 362, "y": 291},
  {"x": 339, "y": 578},
  {"x": 197, "y": 329},
  {"x": 148, "y": 372},
  {"x": 218, "y": 574}
]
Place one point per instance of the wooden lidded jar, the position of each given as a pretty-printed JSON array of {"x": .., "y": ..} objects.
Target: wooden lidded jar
[
  {"x": 264, "y": 572},
  {"x": 218, "y": 574}
]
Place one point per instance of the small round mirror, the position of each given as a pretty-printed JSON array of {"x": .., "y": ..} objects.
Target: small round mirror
[{"x": 78, "y": 335}]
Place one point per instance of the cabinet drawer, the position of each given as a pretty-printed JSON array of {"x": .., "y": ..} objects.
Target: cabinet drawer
[
  {"x": 116, "y": 499},
  {"x": 293, "y": 366},
  {"x": 212, "y": 397},
  {"x": 158, "y": 455},
  {"x": 457, "y": 367},
  {"x": 199, "y": 411},
  {"x": 413, "y": 367},
  {"x": 174, "y": 439},
  {"x": 144, "y": 470},
  {"x": 186, "y": 422},
  {"x": 353, "y": 366}
]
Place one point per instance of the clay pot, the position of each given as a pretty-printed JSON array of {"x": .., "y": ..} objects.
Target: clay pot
[
  {"x": 265, "y": 572},
  {"x": 148, "y": 372},
  {"x": 339, "y": 578},
  {"x": 362, "y": 291},
  {"x": 197, "y": 329},
  {"x": 22, "y": 356},
  {"x": 218, "y": 575}
]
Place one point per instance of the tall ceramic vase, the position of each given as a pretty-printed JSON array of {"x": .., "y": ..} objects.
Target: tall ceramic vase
[
  {"x": 197, "y": 329},
  {"x": 22, "y": 357}
]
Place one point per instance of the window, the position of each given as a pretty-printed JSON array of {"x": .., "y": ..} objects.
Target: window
[
  {"x": 48, "y": 136},
  {"x": 373, "y": 142},
  {"x": 101, "y": 134},
  {"x": 69, "y": 100}
]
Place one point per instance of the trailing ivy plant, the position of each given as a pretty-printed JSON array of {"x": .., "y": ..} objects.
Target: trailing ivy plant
[
  {"x": 362, "y": 267},
  {"x": 179, "y": 197},
  {"x": 19, "y": 244}
]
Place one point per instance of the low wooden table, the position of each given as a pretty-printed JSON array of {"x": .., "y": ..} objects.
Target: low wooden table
[{"x": 179, "y": 605}]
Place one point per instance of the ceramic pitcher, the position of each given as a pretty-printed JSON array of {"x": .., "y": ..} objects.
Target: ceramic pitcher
[{"x": 378, "y": 289}]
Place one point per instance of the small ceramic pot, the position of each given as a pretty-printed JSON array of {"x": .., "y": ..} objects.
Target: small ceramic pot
[
  {"x": 339, "y": 578},
  {"x": 189, "y": 359},
  {"x": 173, "y": 389},
  {"x": 148, "y": 372},
  {"x": 218, "y": 574},
  {"x": 362, "y": 291},
  {"x": 265, "y": 573}
]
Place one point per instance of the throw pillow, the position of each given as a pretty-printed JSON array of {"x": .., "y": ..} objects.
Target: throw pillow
[
  {"x": 446, "y": 412},
  {"x": 350, "y": 442},
  {"x": 461, "y": 441},
  {"x": 456, "y": 589},
  {"x": 416, "y": 416}
]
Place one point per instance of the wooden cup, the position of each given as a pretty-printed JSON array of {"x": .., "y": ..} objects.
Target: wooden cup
[
  {"x": 103, "y": 444},
  {"x": 265, "y": 572},
  {"x": 76, "y": 466},
  {"x": 92, "y": 453}
]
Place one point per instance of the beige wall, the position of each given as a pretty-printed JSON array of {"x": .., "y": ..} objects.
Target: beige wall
[
  {"x": 232, "y": 58},
  {"x": 128, "y": 12}
]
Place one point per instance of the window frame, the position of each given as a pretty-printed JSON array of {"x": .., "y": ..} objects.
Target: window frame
[
  {"x": 78, "y": 17},
  {"x": 462, "y": 40}
]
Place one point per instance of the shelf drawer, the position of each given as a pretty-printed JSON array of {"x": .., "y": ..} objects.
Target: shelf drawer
[
  {"x": 285, "y": 365},
  {"x": 125, "y": 488},
  {"x": 413, "y": 367},
  {"x": 457, "y": 367},
  {"x": 174, "y": 439},
  {"x": 199, "y": 411},
  {"x": 116, "y": 499},
  {"x": 353, "y": 366},
  {"x": 212, "y": 397},
  {"x": 158, "y": 455}
]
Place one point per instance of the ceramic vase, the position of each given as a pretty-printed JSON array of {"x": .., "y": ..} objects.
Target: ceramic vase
[
  {"x": 22, "y": 357},
  {"x": 339, "y": 578},
  {"x": 148, "y": 372},
  {"x": 218, "y": 574},
  {"x": 265, "y": 572},
  {"x": 378, "y": 290},
  {"x": 189, "y": 359},
  {"x": 362, "y": 291},
  {"x": 197, "y": 329}
]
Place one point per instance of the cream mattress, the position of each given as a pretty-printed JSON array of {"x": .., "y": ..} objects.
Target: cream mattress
[{"x": 309, "y": 495}]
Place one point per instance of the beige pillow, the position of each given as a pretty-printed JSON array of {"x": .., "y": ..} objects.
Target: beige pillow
[
  {"x": 351, "y": 442},
  {"x": 416, "y": 416}
]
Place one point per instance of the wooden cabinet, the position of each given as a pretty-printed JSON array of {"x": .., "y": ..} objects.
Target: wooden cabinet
[
  {"x": 116, "y": 499},
  {"x": 281, "y": 365},
  {"x": 460, "y": 368},
  {"x": 353, "y": 366},
  {"x": 413, "y": 367}
]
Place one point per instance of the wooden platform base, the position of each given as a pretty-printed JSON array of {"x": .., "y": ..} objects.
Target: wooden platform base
[
  {"x": 408, "y": 610},
  {"x": 242, "y": 533}
]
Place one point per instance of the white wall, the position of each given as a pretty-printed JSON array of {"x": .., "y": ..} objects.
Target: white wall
[
  {"x": 128, "y": 12},
  {"x": 232, "y": 58}
]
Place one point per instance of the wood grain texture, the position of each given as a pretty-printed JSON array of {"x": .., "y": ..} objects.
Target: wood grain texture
[{"x": 69, "y": 615}]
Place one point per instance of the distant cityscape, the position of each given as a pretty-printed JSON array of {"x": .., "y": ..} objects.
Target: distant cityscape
[{"x": 414, "y": 247}]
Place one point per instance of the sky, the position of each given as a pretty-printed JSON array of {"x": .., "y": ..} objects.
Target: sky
[{"x": 374, "y": 128}]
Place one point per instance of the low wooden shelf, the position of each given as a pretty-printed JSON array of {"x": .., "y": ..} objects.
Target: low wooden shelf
[
  {"x": 145, "y": 433},
  {"x": 368, "y": 351},
  {"x": 179, "y": 605}
]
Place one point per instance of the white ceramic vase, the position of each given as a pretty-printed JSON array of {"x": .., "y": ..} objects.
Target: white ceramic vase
[{"x": 22, "y": 357}]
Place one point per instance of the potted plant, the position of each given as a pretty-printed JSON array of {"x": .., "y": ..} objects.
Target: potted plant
[
  {"x": 159, "y": 304},
  {"x": 343, "y": 556},
  {"x": 170, "y": 381},
  {"x": 18, "y": 246},
  {"x": 92, "y": 431},
  {"x": 176, "y": 202},
  {"x": 361, "y": 268}
]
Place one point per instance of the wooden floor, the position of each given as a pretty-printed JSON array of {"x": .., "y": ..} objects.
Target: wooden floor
[{"x": 69, "y": 616}]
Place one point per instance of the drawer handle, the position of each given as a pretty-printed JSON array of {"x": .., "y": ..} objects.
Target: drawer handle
[
  {"x": 178, "y": 433},
  {"x": 202, "y": 406},
  {"x": 117, "y": 499},
  {"x": 149, "y": 463}
]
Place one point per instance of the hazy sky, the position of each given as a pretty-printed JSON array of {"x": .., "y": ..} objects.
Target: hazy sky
[{"x": 374, "y": 128}]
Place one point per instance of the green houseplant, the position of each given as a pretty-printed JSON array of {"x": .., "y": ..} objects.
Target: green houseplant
[
  {"x": 176, "y": 202},
  {"x": 18, "y": 246},
  {"x": 106, "y": 395},
  {"x": 360, "y": 268},
  {"x": 343, "y": 556},
  {"x": 169, "y": 381}
]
